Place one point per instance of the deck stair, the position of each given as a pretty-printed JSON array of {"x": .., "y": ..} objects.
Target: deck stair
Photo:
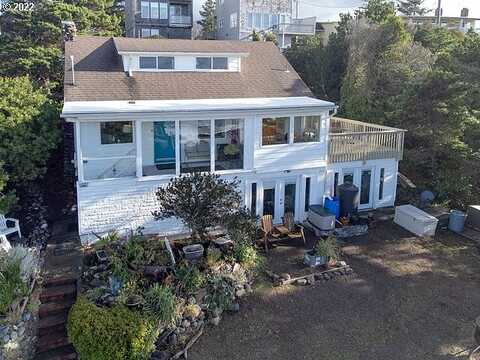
[{"x": 60, "y": 288}]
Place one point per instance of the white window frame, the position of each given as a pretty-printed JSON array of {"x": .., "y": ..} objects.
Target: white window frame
[
  {"x": 148, "y": 69},
  {"x": 142, "y": 3},
  {"x": 163, "y": 11},
  {"x": 233, "y": 20}
]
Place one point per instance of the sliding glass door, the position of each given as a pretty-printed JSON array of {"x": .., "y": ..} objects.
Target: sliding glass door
[{"x": 194, "y": 146}]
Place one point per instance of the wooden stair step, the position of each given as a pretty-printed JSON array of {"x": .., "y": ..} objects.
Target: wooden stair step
[
  {"x": 52, "y": 323},
  {"x": 59, "y": 281},
  {"x": 52, "y": 340},
  {"x": 56, "y": 293},
  {"x": 55, "y": 308},
  {"x": 63, "y": 353}
]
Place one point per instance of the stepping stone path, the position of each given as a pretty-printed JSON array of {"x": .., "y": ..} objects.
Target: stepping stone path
[{"x": 60, "y": 287}]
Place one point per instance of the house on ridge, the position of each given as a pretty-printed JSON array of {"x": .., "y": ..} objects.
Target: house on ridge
[{"x": 146, "y": 110}]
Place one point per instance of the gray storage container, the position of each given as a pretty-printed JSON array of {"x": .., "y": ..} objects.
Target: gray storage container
[
  {"x": 456, "y": 221},
  {"x": 473, "y": 219},
  {"x": 321, "y": 218}
]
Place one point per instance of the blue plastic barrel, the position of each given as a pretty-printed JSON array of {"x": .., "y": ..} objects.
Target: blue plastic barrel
[
  {"x": 456, "y": 221},
  {"x": 333, "y": 205}
]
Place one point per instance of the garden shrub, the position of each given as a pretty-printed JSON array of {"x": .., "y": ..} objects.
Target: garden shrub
[
  {"x": 220, "y": 293},
  {"x": 191, "y": 279},
  {"x": 247, "y": 255},
  {"x": 214, "y": 256},
  {"x": 12, "y": 286},
  {"x": 328, "y": 248},
  {"x": 110, "y": 333},
  {"x": 161, "y": 304}
]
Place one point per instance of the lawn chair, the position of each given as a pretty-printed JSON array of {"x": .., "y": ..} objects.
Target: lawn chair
[
  {"x": 270, "y": 233},
  {"x": 5, "y": 230},
  {"x": 295, "y": 231}
]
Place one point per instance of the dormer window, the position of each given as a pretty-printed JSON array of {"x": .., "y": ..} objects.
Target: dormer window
[
  {"x": 148, "y": 62},
  {"x": 166, "y": 63},
  {"x": 215, "y": 63}
]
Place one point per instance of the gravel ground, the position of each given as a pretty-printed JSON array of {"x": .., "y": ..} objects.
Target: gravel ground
[{"x": 411, "y": 299}]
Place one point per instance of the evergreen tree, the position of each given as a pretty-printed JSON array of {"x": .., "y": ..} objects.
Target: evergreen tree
[
  {"x": 209, "y": 20},
  {"x": 412, "y": 7}
]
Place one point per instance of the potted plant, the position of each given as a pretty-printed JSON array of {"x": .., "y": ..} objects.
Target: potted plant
[
  {"x": 325, "y": 252},
  {"x": 231, "y": 151}
]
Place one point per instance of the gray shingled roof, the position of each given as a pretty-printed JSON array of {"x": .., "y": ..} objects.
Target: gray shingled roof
[{"x": 99, "y": 74}]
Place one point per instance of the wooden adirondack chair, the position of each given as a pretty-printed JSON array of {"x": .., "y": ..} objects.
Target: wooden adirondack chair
[
  {"x": 270, "y": 233},
  {"x": 5, "y": 230},
  {"x": 294, "y": 230},
  {"x": 289, "y": 229}
]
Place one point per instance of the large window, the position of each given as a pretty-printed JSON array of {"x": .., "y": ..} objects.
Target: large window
[
  {"x": 194, "y": 146},
  {"x": 145, "y": 9},
  {"x": 257, "y": 20},
  {"x": 306, "y": 129},
  {"x": 163, "y": 10},
  {"x": 229, "y": 139},
  {"x": 154, "y": 10},
  {"x": 158, "y": 148},
  {"x": 233, "y": 20},
  {"x": 249, "y": 20},
  {"x": 275, "y": 130},
  {"x": 118, "y": 132}
]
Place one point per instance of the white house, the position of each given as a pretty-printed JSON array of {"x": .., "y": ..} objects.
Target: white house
[{"x": 147, "y": 110}]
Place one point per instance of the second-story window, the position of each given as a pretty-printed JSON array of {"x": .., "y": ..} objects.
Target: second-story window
[
  {"x": 154, "y": 10},
  {"x": 306, "y": 129},
  {"x": 145, "y": 9},
  {"x": 163, "y": 10},
  {"x": 275, "y": 130},
  {"x": 212, "y": 63}
]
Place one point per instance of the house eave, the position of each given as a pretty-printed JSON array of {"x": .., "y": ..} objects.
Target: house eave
[{"x": 187, "y": 108}]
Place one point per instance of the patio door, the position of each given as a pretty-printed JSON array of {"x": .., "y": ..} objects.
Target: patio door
[
  {"x": 366, "y": 189},
  {"x": 164, "y": 143},
  {"x": 279, "y": 197}
]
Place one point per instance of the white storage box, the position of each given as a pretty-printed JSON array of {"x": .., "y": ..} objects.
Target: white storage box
[
  {"x": 415, "y": 220},
  {"x": 321, "y": 217}
]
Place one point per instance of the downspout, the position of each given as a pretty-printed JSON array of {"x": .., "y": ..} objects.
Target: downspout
[{"x": 73, "y": 69}]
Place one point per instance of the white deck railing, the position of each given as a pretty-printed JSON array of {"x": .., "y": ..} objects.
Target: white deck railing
[{"x": 351, "y": 140}]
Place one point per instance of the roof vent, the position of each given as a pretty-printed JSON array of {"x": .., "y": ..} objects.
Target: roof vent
[{"x": 131, "y": 102}]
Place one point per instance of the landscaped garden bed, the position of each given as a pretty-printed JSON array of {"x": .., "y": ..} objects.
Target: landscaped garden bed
[
  {"x": 19, "y": 273},
  {"x": 147, "y": 297}
]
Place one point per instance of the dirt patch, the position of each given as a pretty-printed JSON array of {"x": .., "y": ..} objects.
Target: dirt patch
[{"x": 411, "y": 299}]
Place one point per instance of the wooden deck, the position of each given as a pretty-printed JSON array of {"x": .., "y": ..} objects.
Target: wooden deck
[{"x": 351, "y": 140}]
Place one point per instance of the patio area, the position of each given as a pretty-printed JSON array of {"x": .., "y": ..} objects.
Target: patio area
[{"x": 410, "y": 299}]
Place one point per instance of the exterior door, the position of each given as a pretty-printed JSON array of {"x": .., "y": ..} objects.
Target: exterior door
[
  {"x": 289, "y": 198},
  {"x": 366, "y": 189},
  {"x": 269, "y": 201},
  {"x": 164, "y": 142}
]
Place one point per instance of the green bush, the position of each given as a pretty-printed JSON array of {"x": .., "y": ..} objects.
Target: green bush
[
  {"x": 328, "y": 248},
  {"x": 12, "y": 285},
  {"x": 247, "y": 255},
  {"x": 214, "y": 256},
  {"x": 161, "y": 304},
  {"x": 191, "y": 279},
  {"x": 110, "y": 333},
  {"x": 220, "y": 293}
]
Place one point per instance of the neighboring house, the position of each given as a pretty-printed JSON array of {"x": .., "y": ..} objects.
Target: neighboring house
[
  {"x": 147, "y": 110},
  {"x": 171, "y": 19},
  {"x": 237, "y": 19},
  {"x": 324, "y": 29},
  {"x": 462, "y": 23}
]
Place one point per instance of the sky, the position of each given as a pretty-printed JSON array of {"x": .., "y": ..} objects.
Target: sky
[{"x": 328, "y": 10}]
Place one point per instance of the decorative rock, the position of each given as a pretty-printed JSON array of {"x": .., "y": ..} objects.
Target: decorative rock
[
  {"x": 186, "y": 324},
  {"x": 173, "y": 340},
  {"x": 301, "y": 282},
  {"x": 240, "y": 293},
  {"x": 235, "y": 307},
  {"x": 285, "y": 276},
  {"x": 215, "y": 320}
]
